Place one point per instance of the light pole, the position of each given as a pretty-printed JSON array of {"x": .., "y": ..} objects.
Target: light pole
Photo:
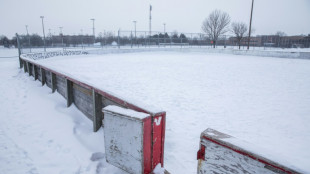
[
  {"x": 60, "y": 30},
  {"x": 93, "y": 28},
  {"x": 250, "y": 25},
  {"x": 150, "y": 27},
  {"x": 135, "y": 24},
  {"x": 164, "y": 32},
  {"x": 50, "y": 36},
  {"x": 62, "y": 38},
  {"x": 82, "y": 37},
  {"x": 164, "y": 27},
  {"x": 28, "y": 38},
  {"x": 42, "y": 17}
]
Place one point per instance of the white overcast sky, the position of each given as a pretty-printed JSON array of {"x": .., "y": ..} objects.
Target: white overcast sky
[{"x": 290, "y": 16}]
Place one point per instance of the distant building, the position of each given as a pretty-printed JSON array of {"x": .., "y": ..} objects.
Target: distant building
[{"x": 274, "y": 41}]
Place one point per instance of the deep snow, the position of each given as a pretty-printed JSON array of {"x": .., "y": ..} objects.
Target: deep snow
[
  {"x": 264, "y": 101},
  {"x": 261, "y": 100}
]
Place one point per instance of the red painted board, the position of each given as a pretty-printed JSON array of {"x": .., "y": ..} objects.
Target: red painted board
[{"x": 147, "y": 145}]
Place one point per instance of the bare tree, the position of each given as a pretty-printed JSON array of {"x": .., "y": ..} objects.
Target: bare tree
[
  {"x": 239, "y": 29},
  {"x": 280, "y": 33},
  {"x": 215, "y": 25}
]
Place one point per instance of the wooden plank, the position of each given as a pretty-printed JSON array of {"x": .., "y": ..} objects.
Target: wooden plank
[
  {"x": 82, "y": 89},
  {"x": 97, "y": 114}
]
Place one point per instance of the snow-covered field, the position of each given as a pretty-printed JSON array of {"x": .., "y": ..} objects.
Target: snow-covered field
[
  {"x": 8, "y": 53},
  {"x": 39, "y": 134},
  {"x": 262, "y": 100}
]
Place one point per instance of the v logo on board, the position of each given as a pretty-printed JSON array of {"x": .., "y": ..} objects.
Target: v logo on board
[{"x": 157, "y": 121}]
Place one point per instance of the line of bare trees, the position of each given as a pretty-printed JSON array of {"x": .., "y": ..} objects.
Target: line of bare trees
[{"x": 217, "y": 24}]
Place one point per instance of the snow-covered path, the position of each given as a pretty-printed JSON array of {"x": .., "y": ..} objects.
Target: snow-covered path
[{"x": 38, "y": 134}]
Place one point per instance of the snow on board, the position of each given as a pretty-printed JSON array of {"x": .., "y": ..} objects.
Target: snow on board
[{"x": 222, "y": 153}]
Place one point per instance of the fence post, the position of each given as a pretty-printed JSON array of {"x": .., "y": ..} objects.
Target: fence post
[
  {"x": 181, "y": 41},
  {"x": 69, "y": 90},
  {"x": 53, "y": 81},
  {"x": 42, "y": 76},
  {"x": 131, "y": 38},
  {"x": 97, "y": 113},
  {"x": 24, "y": 65},
  {"x": 35, "y": 72},
  {"x": 19, "y": 52},
  {"x": 158, "y": 38},
  {"x": 29, "y": 69},
  {"x": 145, "y": 39}
]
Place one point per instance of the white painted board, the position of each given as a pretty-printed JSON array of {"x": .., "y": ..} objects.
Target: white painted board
[{"x": 123, "y": 138}]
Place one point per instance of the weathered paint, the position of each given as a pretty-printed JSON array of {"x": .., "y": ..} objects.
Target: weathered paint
[
  {"x": 218, "y": 155},
  {"x": 147, "y": 145},
  {"x": 82, "y": 99},
  {"x": 123, "y": 139},
  {"x": 61, "y": 85},
  {"x": 158, "y": 139}
]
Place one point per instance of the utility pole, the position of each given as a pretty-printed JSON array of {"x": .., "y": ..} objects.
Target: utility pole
[
  {"x": 82, "y": 37},
  {"x": 28, "y": 38},
  {"x": 60, "y": 30},
  {"x": 42, "y": 17},
  {"x": 135, "y": 23},
  {"x": 164, "y": 33},
  {"x": 249, "y": 38},
  {"x": 150, "y": 27},
  {"x": 164, "y": 28},
  {"x": 93, "y": 28},
  {"x": 50, "y": 36}
]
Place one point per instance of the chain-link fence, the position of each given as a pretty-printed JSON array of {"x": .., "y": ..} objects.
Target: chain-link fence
[
  {"x": 161, "y": 39},
  {"x": 136, "y": 39}
]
